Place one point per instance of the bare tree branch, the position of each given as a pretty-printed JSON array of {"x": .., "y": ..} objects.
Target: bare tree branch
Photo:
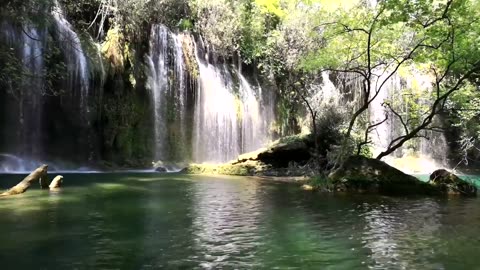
[{"x": 367, "y": 132}]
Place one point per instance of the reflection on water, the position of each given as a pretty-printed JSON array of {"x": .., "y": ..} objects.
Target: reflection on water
[
  {"x": 148, "y": 221},
  {"x": 225, "y": 227},
  {"x": 394, "y": 233}
]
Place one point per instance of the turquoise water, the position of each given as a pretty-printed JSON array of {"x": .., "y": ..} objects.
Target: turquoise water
[
  {"x": 149, "y": 221},
  {"x": 474, "y": 179}
]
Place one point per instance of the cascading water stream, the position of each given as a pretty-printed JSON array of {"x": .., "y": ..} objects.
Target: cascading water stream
[
  {"x": 75, "y": 59},
  {"x": 231, "y": 118},
  {"x": 257, "y": 115},
  {"x": 158, "y": 81},
  {"x": 32, "y": 91},
  {"x": 216, "y": 137},
  {"x": 419, "y": 155},
  {"x": 78, "y": 79},
  {"x": 229, "y": 115},
  {"x": 168, "y": 88},
  {"x": 29, "y": 43}
]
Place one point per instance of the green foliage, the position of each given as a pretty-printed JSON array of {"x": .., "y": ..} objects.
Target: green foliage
[
  {"x": 125, "y": 130},
  {"x": 185, "y": 25},
  {"x": 383, "y": 38},
  {"x": 306, "y": 138},
  {"x": 321, "y": 183}
]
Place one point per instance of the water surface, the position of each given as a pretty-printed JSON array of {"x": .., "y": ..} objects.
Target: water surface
[{"x": 152, "y": 221}]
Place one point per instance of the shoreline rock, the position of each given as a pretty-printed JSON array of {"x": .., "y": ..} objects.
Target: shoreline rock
[
  {"x": 365, "y": 175},
  {"x": 449, "y": 183}
]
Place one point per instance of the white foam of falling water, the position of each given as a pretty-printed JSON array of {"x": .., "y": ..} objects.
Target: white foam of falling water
[
  {"x": 167, "y": 83},
  {"x": 230, "y": 118},
  {"x": 216, "y": 123},
  {"x": 74, "y": 57},
  {"x": 180, "y": 91},
  {"x": 158, "y": 81},
  {"x": 27, "y": 42},
  {"x": 253, "y": 135},
  {"x": 230, "y": 115},
  {"x": 33, "y": 84}
]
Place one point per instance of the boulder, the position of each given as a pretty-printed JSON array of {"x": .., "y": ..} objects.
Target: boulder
[
  {"x": 282, "y": 152},
  {"x": 449, "y": 183},
  {"x": 361, "y": 174}
]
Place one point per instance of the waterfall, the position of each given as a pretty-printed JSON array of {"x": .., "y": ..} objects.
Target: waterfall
[
  {"x": 167, "y": 81},
  {"x": 75, "y": 59},
  {"x": 27, "y": 42},
  {"x": 256, "y": 117},
  {"x": 230, "y": 116},
  {"x": 158, "y": 81},
  {"x": 31, "y": 94},
  {"x": 214, "y": 118},
  {"x": 32, "y": 90},
  {"x": 217, "y": 113},
  {"x": 418, "y": 155},
  {"x": 409, "y": 94}
]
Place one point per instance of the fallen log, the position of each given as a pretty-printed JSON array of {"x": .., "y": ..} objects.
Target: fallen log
[{"x": 40, "y": 174}]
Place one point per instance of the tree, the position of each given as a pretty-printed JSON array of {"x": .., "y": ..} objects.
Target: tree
[{"x": 375, "y": 42}]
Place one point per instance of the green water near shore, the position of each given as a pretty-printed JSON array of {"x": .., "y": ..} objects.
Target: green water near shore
[{"x": 152, "y": 221}]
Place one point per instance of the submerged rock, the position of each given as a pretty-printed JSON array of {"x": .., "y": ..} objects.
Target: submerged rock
[
  {"x": 307, "y": 187},
  {"x": 159, "y": 166},
  {"x": 160, "y": 169},
  {"x": 449, "y": 183},
  {"x": 361, "y": 174}
]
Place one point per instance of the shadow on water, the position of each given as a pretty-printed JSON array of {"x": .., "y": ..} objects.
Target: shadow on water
[{"x": 174, "y": 221}]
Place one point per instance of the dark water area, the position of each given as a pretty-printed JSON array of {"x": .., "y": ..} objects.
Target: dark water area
[{"x": 152, "y": 221}]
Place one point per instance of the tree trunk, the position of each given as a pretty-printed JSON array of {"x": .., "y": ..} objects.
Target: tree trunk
[{"x": 40, "y": 174}]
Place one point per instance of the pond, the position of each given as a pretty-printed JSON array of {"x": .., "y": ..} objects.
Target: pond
[{"x": 153, "y": 221}]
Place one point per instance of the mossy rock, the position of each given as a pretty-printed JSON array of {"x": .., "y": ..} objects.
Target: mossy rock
[
  {"x": 361, "y": 174},
  {"x": 222, "y": 169},
  {"x": 451, "y": 184},
  {"x": 282, "y": 152}
]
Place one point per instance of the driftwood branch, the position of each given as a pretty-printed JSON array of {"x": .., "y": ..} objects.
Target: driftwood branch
[{"x": 40, "y": 174}]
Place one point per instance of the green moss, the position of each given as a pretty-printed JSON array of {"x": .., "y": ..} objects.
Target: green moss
[
  {"x": 321, "y": 183},
  {"x": 190, "y": 59},
  {"x": 126, "y": 131},
  {"x": 222, "y": 169},
  {"x": 360, "y": 174},
  {"x": 185, "y": 24},
  {"x": 113, "y": 50},
  {"x": 294, "y": 139}
]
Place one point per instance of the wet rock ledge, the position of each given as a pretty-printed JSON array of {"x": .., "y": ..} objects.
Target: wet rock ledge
[{"x": 292, "y": 157}]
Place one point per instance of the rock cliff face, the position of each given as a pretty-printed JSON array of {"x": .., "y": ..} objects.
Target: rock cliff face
[
  {"x": 122, "y": 102},
  {"x": 77, "y": 108}
]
